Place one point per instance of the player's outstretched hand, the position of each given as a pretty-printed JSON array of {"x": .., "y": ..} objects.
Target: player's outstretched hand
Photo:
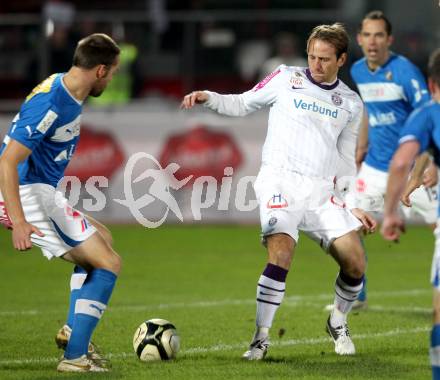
[
  {"x": 392, "y": 227},
  {"x": 369, "y": 224},
  {"x": 193, "y": 98},
  {"x": 21, "y": 235}
]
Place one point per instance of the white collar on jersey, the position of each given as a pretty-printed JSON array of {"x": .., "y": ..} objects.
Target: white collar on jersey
[{"x": 80, "y": 102}]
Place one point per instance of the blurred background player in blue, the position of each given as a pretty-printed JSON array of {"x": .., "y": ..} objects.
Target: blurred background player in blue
[
  {"x": 421, "y": 132},
  {"x": 391, "y": 87},
  {"x": 33, "y": 157}
]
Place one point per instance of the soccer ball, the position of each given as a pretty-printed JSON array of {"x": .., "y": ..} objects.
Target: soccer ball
[{"x": 156, "y": 339}]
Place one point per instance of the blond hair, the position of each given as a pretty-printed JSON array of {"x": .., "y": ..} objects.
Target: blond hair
[{"x": 334, "y": 34}]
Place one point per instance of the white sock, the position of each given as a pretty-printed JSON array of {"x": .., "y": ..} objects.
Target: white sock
[
  {"x": 345, "y": 295},
  {"x": 270, "y": 293}
]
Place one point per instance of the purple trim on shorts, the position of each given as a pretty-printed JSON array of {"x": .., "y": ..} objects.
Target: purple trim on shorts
[{"x": 274, "y": 272}]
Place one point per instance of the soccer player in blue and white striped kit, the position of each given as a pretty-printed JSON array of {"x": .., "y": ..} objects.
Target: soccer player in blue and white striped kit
[
  {"x": 34, "y": 154},
  {"x": 421, "y": 132},
  {"x": 391, "y": 87}
]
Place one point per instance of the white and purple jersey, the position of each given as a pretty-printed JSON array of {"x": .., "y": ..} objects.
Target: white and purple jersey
[
  {"x": 390, "y": 93},
  {"x": 48, "y": 124},
  {"x": 311, "y": 126}
]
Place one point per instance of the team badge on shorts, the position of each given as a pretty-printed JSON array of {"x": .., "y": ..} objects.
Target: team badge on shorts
[
  {"x": 273, "y": 221},
  {"x": 336, "y": 99},
  {"x": 277, "y": 201}
]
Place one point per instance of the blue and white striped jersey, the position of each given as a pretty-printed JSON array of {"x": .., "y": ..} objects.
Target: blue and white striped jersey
[
  {"x": 390, "y": 93},
  {"x": 423, "y": 125},
  {"x": 48, "y": 124}
]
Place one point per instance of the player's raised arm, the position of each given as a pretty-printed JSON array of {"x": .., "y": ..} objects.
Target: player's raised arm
[
  {"x": 9, "y": 186},
  {"x": 262, "y": 94}
]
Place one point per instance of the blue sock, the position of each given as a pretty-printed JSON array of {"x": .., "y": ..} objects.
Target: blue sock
[
  {"x": 76, "y": 281},
  {"x": 434, "y": 352},
  {"x": 363, "y": 294},
  {"x": 90, "y": 305}
]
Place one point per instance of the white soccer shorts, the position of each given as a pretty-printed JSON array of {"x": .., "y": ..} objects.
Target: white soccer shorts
[
  {"x": 48, "y": 210},
  {"x": 290, "y": 202},
  {"x": 370, "y": 189}
]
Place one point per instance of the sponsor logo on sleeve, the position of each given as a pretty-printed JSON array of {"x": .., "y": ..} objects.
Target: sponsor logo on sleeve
[
  {"x": 46, "y": 122},
  {"x": 266, "y": 80}
]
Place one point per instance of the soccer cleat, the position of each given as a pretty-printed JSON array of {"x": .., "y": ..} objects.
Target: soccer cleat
[
  {"x": 341, "y": 336},
  {"x": 62, "y": 338},
  {"x": 257, "y": 349},
  {"x": 81, "y": 364}
]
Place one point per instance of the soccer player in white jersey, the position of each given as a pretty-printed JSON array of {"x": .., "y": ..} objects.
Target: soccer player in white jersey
[
  {"x": 313, "y": 124},
  {"x": 34, "y": 154},
  {"x": 421, "y": 132},
  {"x": 391, "y": 87}
]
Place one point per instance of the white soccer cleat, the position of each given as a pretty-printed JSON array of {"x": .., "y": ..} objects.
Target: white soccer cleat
[
  {"x": 62, "y": 338},
  {"x": 81, "y": 364},
  {"x": 341, "y": 336},
  {"x": 257, "y": 349}
]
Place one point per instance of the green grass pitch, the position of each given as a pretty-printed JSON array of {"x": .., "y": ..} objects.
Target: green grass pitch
[{"x": 203, "y": 279}]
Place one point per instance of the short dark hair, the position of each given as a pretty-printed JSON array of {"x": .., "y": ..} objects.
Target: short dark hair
[
  {"x": 434, "y": 66},
  {"x": 378, "y": 15},
  {"x": 96, "y": 49},
  {"x": 334, "y": 34}
]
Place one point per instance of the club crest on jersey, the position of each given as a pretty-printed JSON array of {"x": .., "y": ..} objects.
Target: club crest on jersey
[
  {"x": 277, "y": 201},
  {"x": 389, "y": 75},
  {"x": 336, "y": 99}
]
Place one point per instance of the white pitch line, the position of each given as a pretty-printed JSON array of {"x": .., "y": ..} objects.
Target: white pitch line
[
  {"x": 289, "y": 301},
  {"x": 243, "y": 345}
]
